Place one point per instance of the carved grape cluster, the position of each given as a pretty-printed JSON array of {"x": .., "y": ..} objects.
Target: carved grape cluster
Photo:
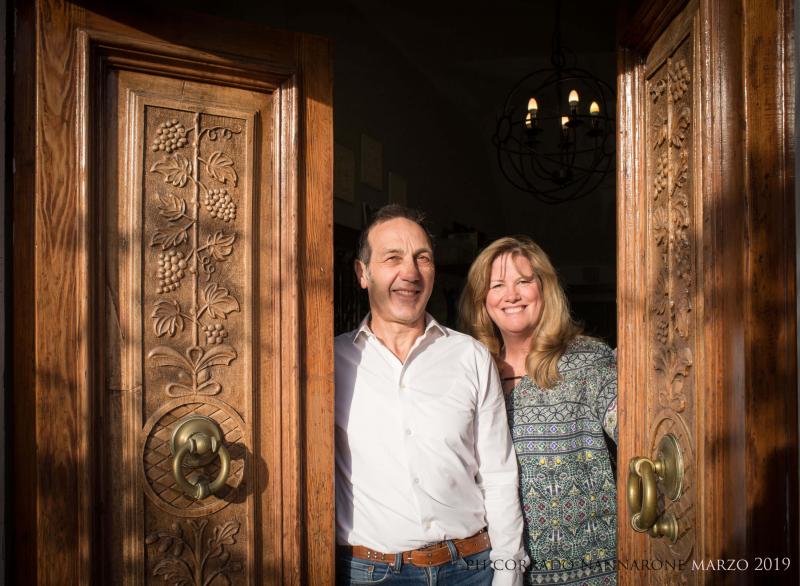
[
  {"x": 220, "y": 205},
  {"x": 662, "y": 171},
  {"x": 679, "y": 78},
  {"x": 170, "y": 137},
  {"x": 215, "y": 333},
  {"x": 171, "y": 266}
]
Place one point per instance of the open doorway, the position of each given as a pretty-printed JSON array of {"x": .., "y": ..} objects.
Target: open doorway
[{"x": 416, "y": 105}]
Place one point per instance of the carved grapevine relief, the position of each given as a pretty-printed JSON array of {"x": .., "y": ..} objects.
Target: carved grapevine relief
[
  {"x": 670, "y": 142},
  {"x": 671, "y": 223},
  {"x": 188, "y": 558},
  {"x": 185, "y": 260}
]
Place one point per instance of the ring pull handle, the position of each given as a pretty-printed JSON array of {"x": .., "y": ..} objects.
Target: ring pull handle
[
  {"x": 642, "y": 494},
  {"x": 195, "y": 442},
  {"x": 643, "y": 477}
]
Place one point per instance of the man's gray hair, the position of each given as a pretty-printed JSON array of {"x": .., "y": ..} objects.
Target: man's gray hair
[{"x": 384, "y": 214}]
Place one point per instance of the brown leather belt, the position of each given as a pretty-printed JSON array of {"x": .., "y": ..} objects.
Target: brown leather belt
[{"x": 426, "y": 557}]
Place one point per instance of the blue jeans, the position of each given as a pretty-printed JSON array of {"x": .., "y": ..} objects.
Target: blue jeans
[{"x": 474, "y": 570}]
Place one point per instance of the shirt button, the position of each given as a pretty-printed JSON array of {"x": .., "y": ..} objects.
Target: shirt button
[
  {"x": 416, "y": 481},
  {"x": 408, "y": 432}
]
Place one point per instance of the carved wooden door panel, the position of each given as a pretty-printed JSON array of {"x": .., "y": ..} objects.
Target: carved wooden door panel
[
  {"x": 706, "y": 347},
  {"x": 190, "y": 225},
  {"x": 665, "y": 343},
  {"x": 183, "y": 221}
]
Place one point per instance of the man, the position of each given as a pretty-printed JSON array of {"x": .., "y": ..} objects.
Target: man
[{"x": 426, "y": 477}]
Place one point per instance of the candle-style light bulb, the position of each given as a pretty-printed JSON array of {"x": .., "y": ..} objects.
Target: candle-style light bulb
[
  {"x": 533, "y": 107},
  {"x": 564, "y": 121},
  {"x": 594, "y": 109},
  {"x": 573, "y": 99}
]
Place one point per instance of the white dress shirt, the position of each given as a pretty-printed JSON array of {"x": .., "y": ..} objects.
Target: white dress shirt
[{"x": 423, "y": 450}]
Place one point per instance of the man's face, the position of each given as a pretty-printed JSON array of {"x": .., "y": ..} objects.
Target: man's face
[{"x": 399, "y": 277}]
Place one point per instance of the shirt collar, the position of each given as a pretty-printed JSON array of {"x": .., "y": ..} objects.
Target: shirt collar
[{"x": 430, "y": 323}]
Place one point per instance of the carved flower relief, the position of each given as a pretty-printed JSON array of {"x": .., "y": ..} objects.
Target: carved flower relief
[
  {"x": 661, "y": 227},
  {"x": 674, "y": 364},
  {"x": 679, "y": 78}
]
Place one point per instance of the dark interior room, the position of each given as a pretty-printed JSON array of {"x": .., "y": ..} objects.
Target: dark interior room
[{"x": 418, "y": 92}]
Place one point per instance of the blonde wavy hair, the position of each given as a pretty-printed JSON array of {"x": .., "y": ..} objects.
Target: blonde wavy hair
[{"x": 556, "y": 328}]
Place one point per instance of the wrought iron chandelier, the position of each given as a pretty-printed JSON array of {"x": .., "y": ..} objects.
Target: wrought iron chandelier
[{"x": 549, "y": 142}]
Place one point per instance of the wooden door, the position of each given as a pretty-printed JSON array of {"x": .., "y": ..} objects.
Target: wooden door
[
  {"x": 173, "y": 238},
  {"x": 707, "y": 322}
]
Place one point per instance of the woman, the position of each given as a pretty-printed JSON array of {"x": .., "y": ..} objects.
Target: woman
[{"x": 561, "y": 393}]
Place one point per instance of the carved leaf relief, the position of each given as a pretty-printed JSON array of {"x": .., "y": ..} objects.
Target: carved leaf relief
[
  {"x": 681, "y": 127},
  {"x": 192, "y": 559},
  {"x": 168, "y": 317},
  {"x": 175, "y": 169},
  {"x": 661, "y": 130},
  {"x": 674, "y": 365},
  {"x": 171, "y": 207},
  {"x": 219, "y": 302},
  {"x": 657, "y": 89},
  {"x": 169, "y": 237},
  {"x": 220, "y": 167},
  {"x": 661, "y": 226},
  {"x": 219, "y": 246},
  {"x": 194, "y": 364}
]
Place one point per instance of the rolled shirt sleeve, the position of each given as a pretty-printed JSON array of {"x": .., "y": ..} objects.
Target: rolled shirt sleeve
[{"x": 498, "y": 477}]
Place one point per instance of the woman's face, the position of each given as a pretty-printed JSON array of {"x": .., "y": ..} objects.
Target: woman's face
[{"x": 514, "y": 299}]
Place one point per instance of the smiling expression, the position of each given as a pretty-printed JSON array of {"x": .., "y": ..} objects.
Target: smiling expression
[
  {"x": 399, "y": 276},
  {"x": 514, "y": 299}
]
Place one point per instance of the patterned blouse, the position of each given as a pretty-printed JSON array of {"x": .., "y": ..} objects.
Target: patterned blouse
[{"x": 567, "y": 487}]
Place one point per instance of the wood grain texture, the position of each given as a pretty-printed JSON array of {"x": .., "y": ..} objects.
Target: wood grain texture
[
  {"x": 316, "y": 285},
  {"x": 62, "y": 251},
  {"x": 61, "y": 337},
  {"x": 723, "y": 286},
  {"x": 631, "y": 281},
  {"x": 770, "y": 292}
]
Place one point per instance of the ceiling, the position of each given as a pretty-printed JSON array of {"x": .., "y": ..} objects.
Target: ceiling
[{"x": 505, "y": 29}]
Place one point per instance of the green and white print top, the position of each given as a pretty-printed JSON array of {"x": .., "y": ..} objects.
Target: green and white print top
[{"x": 567, "y": 488}]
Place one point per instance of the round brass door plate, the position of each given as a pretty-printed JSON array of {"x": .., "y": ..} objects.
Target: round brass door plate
[{"x": 671, "y": 473}]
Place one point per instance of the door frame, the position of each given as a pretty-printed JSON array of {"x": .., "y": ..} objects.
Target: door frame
[
  {"x": 51, "y": 533},
  {"x": 746, "y": 273}
]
